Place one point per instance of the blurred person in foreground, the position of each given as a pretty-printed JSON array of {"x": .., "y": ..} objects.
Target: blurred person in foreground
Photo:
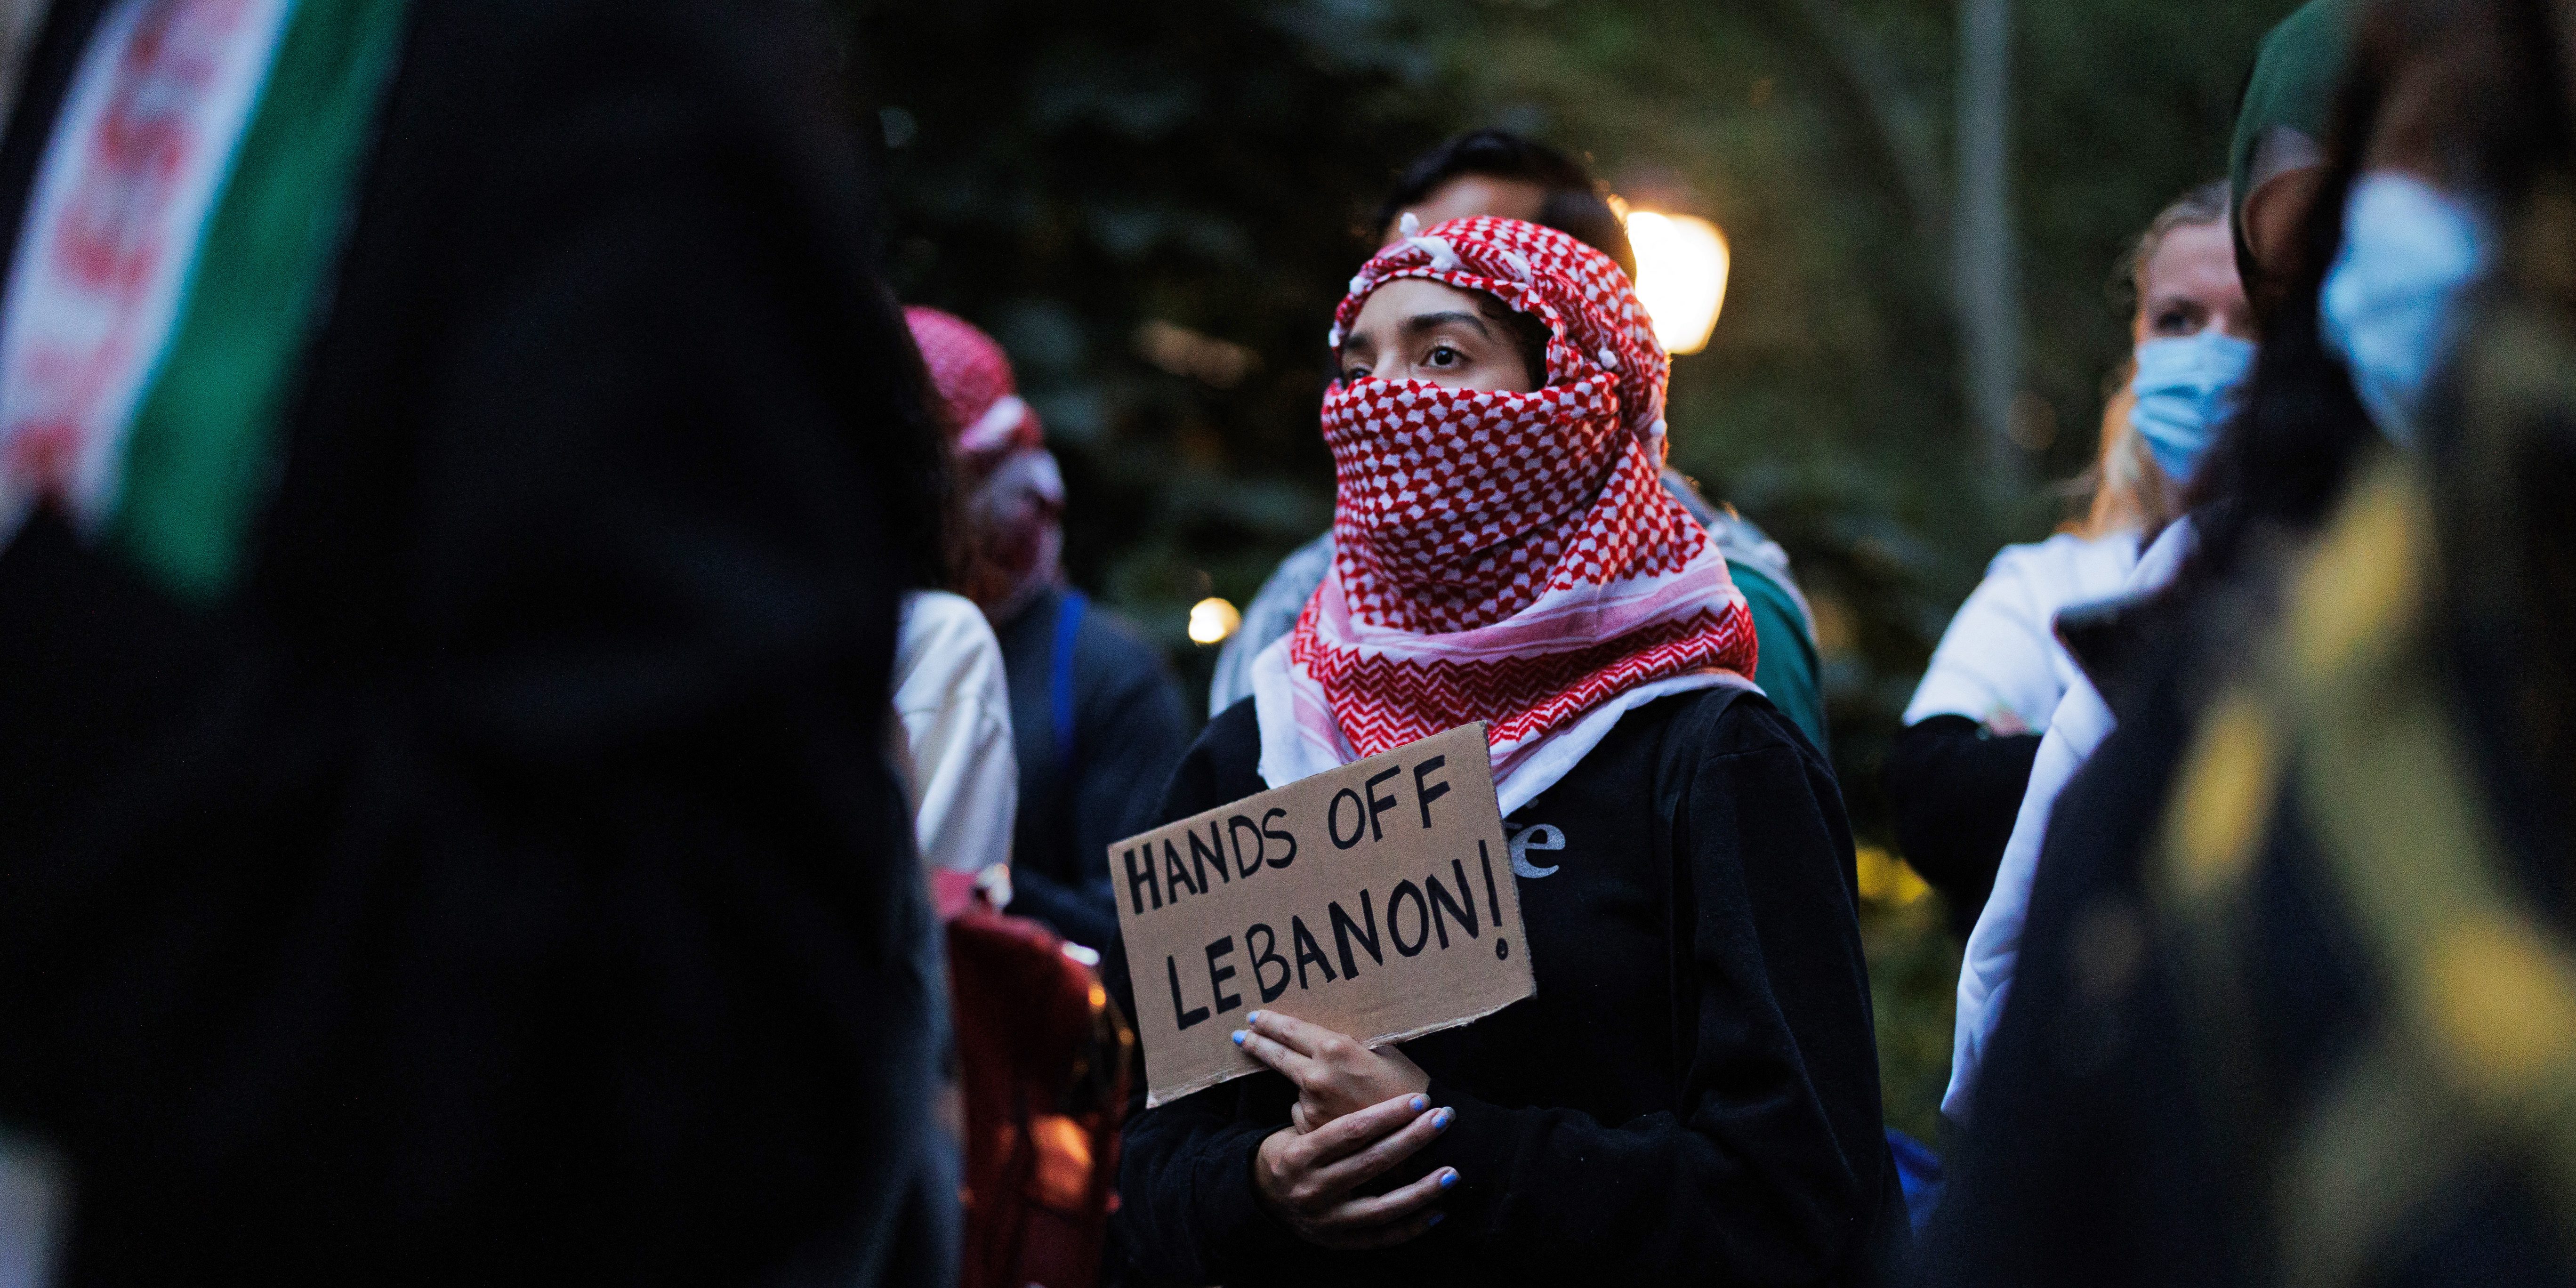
[
  {"x": 1496, "y": 172},
  {"x": 1955, "y": 777},
  {"x": 1691, "y": 1095},
  {"x": 457, "y": 470},
  {"x": 2295, "y": 1005},
  {"x": 1095, "y": 716},
  {"x": 2276, "y": 155},
  {"x": 950, "y": 745}
]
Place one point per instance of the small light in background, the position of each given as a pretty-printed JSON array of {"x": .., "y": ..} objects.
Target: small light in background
[
  {"x": 1212, "y": 620},
  {"x": 1682, "y": 263},
  {"x": 1184, "y": 352}
]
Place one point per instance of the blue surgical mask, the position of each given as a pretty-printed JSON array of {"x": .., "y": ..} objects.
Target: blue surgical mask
[
  {"x": 2185, "y": 390},
  {"x": 2390, "y": 306}
]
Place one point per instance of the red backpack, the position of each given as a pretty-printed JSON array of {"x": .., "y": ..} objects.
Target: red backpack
[{"x": 1043, "y": 1056}]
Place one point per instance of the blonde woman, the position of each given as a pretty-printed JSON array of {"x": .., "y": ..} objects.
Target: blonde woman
[{"x": 1955, "y": 777}]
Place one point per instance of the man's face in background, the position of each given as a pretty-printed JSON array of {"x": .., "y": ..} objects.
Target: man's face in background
[{"x": 1470, "y": 195}]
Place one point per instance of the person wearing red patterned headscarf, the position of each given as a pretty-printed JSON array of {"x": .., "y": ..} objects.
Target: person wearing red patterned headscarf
[
  {"x": 1499, "y": 173},
  {"x": 1096, "y": 721},
  {"x": 1692, "y": 1093}
]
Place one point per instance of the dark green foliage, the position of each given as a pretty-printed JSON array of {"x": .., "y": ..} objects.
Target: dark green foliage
[{"x": 1076, "y": 171}]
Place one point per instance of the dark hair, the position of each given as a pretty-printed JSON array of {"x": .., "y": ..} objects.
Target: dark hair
[{"x": 1575, "y": 203}]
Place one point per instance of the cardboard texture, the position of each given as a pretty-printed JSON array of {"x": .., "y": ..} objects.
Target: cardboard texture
[{"x": 1376, "y": 900}]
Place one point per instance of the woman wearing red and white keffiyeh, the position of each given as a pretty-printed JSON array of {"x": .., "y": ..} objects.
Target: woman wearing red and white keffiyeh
[
  {"x": 1502, "y": 554},
  {"x": 1692, "y": 1093}
]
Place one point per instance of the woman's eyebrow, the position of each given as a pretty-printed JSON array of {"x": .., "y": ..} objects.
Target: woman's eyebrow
[{"x": 1421, "y": 322}]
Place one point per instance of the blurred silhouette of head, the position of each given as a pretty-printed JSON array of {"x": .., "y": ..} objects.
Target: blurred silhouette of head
[
  {"x": 2464, "y": 98},
  {"x": 1011, "y": 497},
  {"x": 2276, "y": 161},
  {"x": 1497, "y": 172}
]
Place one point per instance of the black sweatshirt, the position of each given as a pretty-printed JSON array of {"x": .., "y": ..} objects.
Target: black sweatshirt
[
  {"x": 1691, "y": 1096},
  {"x": 1128, "y": 728},
  {"x": 1954, "y": 791}
]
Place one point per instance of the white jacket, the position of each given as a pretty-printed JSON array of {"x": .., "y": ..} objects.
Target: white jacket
[
  {"x": 2078, "y": 726},
  {"x": 952, "y": 733},
  {"x": 1999, "y": 663}
]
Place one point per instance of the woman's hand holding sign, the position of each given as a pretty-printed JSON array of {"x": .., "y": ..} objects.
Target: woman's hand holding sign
[
  {"x": 1395, "y": 919},
  {"x": 1309, "y": 1178},
  {"x": 1335, "y": 1076}
]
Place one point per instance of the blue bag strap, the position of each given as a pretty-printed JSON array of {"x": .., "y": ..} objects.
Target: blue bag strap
[{"x": 1068, "y": 628}]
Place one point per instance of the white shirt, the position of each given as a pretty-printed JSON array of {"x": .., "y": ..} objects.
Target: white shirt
[
  {"x": 1999, "y": 663},
  {"x": 952, "y": 740},
  {"x": 2078, "y": 726}
]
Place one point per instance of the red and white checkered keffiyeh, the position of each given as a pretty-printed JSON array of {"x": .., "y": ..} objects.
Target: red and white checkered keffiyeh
[
  {"x": 1013, "y": 496},
  {"x": 1504, "y": 557}
]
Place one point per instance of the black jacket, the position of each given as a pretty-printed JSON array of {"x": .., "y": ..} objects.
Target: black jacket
[
  {"x": 504, "y": 882},
  {"x": 1692, "y": 1095},
  {"x": 1095, "y": 782},
  {"x": 1953, "y": 793}
]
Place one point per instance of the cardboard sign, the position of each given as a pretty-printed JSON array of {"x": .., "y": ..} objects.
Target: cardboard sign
[{"x": 1375, "y": 899}]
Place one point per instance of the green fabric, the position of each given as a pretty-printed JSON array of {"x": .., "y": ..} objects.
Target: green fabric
[
  {"x": 1787, "y": 669},
  {"x": 2297, "y": 70},
  {"x": 203, "y": 442}
]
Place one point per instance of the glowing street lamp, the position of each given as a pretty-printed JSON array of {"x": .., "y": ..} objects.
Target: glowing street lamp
[
  {"x": 1212, "y": 620},
  {"x": 1681, "y": 276}
]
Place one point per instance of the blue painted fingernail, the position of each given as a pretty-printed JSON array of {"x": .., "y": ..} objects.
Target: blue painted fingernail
[
  {"x": 1448, "y": 1179},
  {"x": 1436, "y": 1218},
  {"x": 1239, "y": 1036},
  {"x": 1420, "y": 1103},
  {"x": 1440, "y": 1121},
  {"x": 1253, "y": 1018}
]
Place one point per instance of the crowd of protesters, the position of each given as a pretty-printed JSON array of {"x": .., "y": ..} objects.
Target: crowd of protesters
[{"x": 545, "y": 735}]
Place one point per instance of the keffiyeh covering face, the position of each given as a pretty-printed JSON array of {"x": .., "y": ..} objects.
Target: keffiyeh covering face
[
  {"x": 1013, "y": 496},
  {"x": 1500, "y": 556}
]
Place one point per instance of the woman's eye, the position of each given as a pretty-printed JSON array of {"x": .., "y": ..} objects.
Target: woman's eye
[
  {"x": 2176, "y": 322},
  {"x": 1442, "y": 355},
  {"x": 1350, "y": 374}
]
